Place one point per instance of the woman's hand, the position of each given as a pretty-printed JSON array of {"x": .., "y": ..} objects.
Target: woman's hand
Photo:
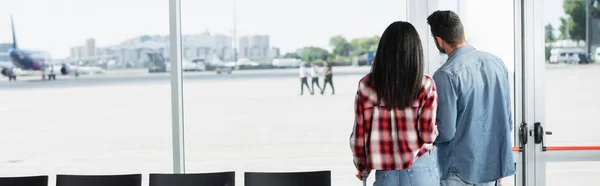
[{"x": 359, "y": 176}]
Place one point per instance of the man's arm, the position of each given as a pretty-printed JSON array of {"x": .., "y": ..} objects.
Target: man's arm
[
  {"x": 507, "y": 96},
  {"x": 357, "y": 138},
  {"x": 447, "y": 106}
]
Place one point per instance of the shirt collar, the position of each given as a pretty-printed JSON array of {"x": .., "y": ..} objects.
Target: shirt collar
[{"x": 461, "y": 50}]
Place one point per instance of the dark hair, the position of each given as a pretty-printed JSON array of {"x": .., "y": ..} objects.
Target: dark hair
[
  {"x": 447, "y": 25},
  {"x": 397, "y": 71}
]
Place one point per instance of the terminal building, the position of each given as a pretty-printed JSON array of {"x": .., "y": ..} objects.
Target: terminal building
[
  {"x": 133, "y": 52},
  {"x": 5, "y": 47}
]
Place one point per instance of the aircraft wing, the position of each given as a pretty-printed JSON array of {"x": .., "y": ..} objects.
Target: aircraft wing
[
  {"x": 6, "y": 64},
  {"x": 56, "y": 62}
]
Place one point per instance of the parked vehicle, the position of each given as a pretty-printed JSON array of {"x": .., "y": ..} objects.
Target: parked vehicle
[
  {"x": 566, "y": 55},
  {"x": 224, "y": 68},
  {"x": 159, "y": 64}
]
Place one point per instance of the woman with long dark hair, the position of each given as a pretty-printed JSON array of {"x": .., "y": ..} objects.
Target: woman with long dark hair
[{"x": 395, "y": 109}]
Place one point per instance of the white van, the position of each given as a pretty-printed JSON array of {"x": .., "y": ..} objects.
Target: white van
[
  {"x": 597, "y": 55},
  {"x": 187, "y": 65},
  {"x": 565, "y": 55}
]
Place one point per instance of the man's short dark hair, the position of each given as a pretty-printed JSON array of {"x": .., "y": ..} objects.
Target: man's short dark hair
[{"x": 447, "y": 25}]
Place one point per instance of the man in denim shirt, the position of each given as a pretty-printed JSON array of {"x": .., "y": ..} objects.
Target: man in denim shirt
[{"x": 474, "y": 112}]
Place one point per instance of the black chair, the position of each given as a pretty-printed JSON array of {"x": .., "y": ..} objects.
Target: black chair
[
  {"x": 24, "y": 181},
  {"x": 99, "y": 180},
  {"x": 317, "y": 178},
  {"x": 199, "y": 179}
]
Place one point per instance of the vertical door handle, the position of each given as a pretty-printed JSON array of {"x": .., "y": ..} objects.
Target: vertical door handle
[
  {"x": 539, "y": 134},
  {"x": 522, "y": 136}
]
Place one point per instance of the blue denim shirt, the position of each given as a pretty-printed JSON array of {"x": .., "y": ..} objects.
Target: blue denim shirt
[{"x": 474, "y": 117}]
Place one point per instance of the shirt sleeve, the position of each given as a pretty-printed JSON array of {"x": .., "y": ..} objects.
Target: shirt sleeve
[
  {"x": 447, "y": 106},
  {"x": 357, "y": 138},
  {"x": 427, "y": 115}
]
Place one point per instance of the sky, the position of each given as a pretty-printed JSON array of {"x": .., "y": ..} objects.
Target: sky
[{"x": 57, "y": 25}]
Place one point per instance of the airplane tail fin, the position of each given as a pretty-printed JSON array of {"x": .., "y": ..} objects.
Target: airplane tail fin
[{"x": 12, "y": 25}]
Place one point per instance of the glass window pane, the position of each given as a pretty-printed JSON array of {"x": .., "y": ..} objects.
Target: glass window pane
[
  {"x": 103, "y": 114},
  {"x": 571, "y": 173},
  {"x": 570, "y": 86},
  {"x": 570, "y": 74},
  {"x": 254, "y": 119}
]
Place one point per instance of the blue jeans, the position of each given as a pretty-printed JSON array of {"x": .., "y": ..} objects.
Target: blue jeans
[
  {"x": 423, "y": 172},
  {"x": 455, "y": 180}
]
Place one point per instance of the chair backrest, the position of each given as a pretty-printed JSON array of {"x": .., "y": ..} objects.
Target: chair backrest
[
  {"x": 316, "y": 178},
  {"x": 99, "y": 180},
  {"x": 198, "y": 179},
  {"x": 24, "y": 181}
]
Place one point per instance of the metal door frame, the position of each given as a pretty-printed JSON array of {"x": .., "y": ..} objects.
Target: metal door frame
[
  {"x": 537, "y": 154},
  {"x": 177, "y": 118}
]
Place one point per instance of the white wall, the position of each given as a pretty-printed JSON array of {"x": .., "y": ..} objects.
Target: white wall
[
  {"x": 418, "y": 11},
  {"x": 489, "y": 25}
]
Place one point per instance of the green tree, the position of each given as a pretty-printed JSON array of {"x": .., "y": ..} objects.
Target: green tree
[
  {"x": 564, "y": 32},
  {"x": 365, "y": 44},
  {"x": 549, "y": 32},
  {"x": 573, "y": 27},
  {"x": 341, "y": 47},
  {"x": 549, "y": 29},
  {"x": 291, "y": 55},
  {"x": 547, "y": 51},
  {"x": 314, "y": 54}
]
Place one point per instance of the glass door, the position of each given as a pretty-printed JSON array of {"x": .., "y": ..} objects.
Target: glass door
[{"x": 562, "y": 38}]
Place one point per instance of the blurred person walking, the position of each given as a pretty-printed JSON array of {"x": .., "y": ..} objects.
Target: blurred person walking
[
  {"x": 302, "y": 72},
  {"x": 315, "y": 72},
  {"x": 328, "y": 78}
]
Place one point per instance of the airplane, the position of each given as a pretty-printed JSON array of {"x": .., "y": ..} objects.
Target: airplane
[{"x": 25, "y": 60}]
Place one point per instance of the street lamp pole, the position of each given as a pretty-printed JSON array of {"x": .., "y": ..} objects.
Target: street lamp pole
[{"x": 587, "y": 28}]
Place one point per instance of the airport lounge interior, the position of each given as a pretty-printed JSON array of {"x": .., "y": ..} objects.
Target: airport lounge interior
[{"x": 205, "y": 93}]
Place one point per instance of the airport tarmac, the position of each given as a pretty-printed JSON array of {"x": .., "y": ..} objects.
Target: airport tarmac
[
  {"x": 247, "y": 121},
  {"x": 137, "y": 77}
]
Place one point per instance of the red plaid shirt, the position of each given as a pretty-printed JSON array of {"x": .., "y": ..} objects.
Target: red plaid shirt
[{"x": 385, "y": 139}]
